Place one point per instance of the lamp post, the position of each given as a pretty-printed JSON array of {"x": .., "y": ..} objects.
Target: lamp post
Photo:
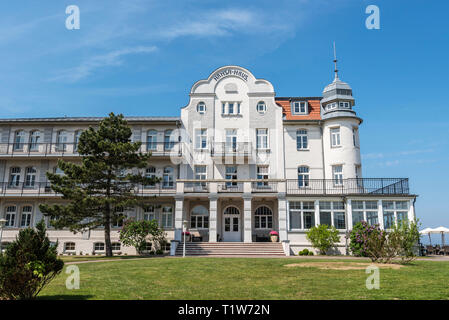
[
  {"x": 184, "y": 223},
  {"x": 2, "y": 224}
]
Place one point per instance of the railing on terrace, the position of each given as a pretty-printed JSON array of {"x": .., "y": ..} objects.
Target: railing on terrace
[
  {"x": 70, "y": 148},
  {"x": 44, "y": 189},
  {"x": 381, "y": 186},
  {"x": 264, "y": 186},
  {"x": 230, "y": 187},
  {"x": 231, "y": 149}
]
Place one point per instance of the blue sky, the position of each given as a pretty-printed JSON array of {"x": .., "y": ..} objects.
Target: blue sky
[{"x": 141, "y": 58}]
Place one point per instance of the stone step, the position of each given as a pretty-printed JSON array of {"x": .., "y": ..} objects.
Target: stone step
[{"x": 231, "y": 248}]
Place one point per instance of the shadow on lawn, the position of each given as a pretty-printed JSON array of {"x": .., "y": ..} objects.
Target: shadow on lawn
[{"x": 66, "y": 297}]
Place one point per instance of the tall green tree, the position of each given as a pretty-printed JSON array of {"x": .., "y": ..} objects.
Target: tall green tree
[{"x": 107, "y": 178}]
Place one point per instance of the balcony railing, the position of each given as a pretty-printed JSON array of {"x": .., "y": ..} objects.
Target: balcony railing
[
  {"x": 230, "y": 187},
  {"x": 380, "y": 186},
  {"x": 70, "y": 149},
  {"x": 44, "y": 189},
  {"x": 193, "y": 187},
  {"x": 222, "y": 149},
  {"x": 264, "y": 186}
]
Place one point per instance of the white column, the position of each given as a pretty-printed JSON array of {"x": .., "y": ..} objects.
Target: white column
[
  {"x": 349, "y": 213},
  {"x": 411, "y": 211},
  {"x": 213, "y": 199},
  {"x": 282, "y": 216},
  {"x": 380, "y": 215},
  {"x": 179, "y": 210},
  {"x": 247, "y": 225},
  {"x": 317, "y": 212}
]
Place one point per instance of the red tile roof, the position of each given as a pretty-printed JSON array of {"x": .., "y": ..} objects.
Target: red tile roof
[{"x": 314, "y": 108}]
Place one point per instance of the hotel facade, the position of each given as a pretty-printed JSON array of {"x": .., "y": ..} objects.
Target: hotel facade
[{"x": 238, "y": 163}]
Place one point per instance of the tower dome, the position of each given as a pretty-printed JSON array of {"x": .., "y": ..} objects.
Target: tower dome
[{"x": 337, "y": 98}]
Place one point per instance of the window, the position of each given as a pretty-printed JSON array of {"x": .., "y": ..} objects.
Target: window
[
  {"x": 394, "y": 212},
  {"x": 150, "y": 173},
  {"x": 69, "y": 246},
  {"x": 201, "y": 174},
  {"x": 365, "y": 211},
  {"x": 99, "y": 246},
  {"x": 337, "y": 173},
  {"x": 116, "y": 246},
  {"x": 301, "y": 213},
  {"x": 261, "y": 139},
  {"x": 261, "y": 107},
  {"x": 117, "y": 219},
  {"x": 231, "y": 210},
  {"x": 262, "y": 174},
  {"x": 149, "y": 213},
  {"x": 345, "y": 105},
  {"x": 25, "y": 220},
  {"x": 355, "y": 137},
  {"x": 30, "y": 177},
  {"x": 201, "y": 107},
  {"x": 231, "y": 174},
  {"x": 335, "y": 137},
  {"x": 168, "y": 140},
  {"x": 231, "y": 140},
  {"x": 331, "y": 106},
  {"x": 230, "y": 108},
  {"x": 35, "y": 137},
  {"x": 201, "y": 138},
  {"x": 299, "y": 107},
  {"x": 10, "y": 216},
  {"x": 301, "y": 139},
  {"x": 303, "y": 176},
  {"x": 14, "y": 177},
  {"x": 167, "y": 217},
  {"x": 77, "y": 139},
  {"x": 167, "y": 178},
  {"x": 61, "y": 141},
  {"x": 199, "y": 218},
  {"x": 151, "y": 140},
  {"x": 332, "y": 213},
  {"x": 263, "y": 218},
  {"x": 19, "y": 140}
]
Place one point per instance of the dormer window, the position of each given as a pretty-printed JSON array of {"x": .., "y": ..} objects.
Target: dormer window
[
  {"x": 299, "y": 107},
  {"x": 201, "y": 108}
]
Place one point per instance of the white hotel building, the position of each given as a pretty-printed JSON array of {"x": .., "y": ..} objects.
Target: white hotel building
[{"x": 238, "y": 163}]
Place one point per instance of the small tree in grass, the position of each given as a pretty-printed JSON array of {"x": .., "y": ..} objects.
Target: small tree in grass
[
  {"x": 323, "y": 237},
  {"x": 28, "y": 264},
  {"x": 106, "y": 179},
  {"x": 138, "y": 233}
]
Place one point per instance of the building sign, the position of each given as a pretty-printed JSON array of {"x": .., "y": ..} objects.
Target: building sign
[{"x": 230, "y": 72}]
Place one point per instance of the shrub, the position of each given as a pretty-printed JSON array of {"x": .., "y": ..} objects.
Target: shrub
[
  {"x": 28, "y": 264},
  {"x": 405, "y": 236},
  {"x": 358, "y": 237},
  {"x": 323, "y": 237},
  {"x": 159, "y": 251},
  {"x": 310, "y": 253},
  {"x": 138, "y": 233},
  {"x": 304, "y": 252}
]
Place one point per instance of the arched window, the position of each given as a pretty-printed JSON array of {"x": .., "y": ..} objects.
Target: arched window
[
  {"x": 77, "y": 139},
  {"x": 168, "y": 140},
  {"x": 30, "y": 177},
  {"x": 118, "y": 218},
  {"x": 301, "y": 139},
  {"x": 231, "y": 210},
  {"x": 261, "y": 107},
  {"x": 14, "y": 177},
  {"x": 263, "y": 218},
  {"x": 167, "y": 178},
  {"x": 19, "y": 140},
  {"x": 150, "y": 173},
  {"x": 69, "y": 246},
  {"x": 199, "y": 217},
  {"x": 149, "y": 213},
  {"x": 61, "y": 141},
  {"x": 25, "y": 219},
  {"x": 303, "y": 176},
  {"x": 35, "y": 138},
  {"x": 201, "y": 107},
  {"x": 151, "y": 140},
  {"x": 10, "y": 216}
]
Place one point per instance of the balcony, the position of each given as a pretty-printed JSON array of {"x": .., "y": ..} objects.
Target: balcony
[
  {"x": 162, "y": 149},
  {"x": 237, "y": 149},
  {"x": 372, "y": 186},
  {"x": 232, "y": 187}
]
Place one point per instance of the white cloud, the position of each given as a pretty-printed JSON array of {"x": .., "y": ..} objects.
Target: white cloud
[{"x": 110, "y": 59}]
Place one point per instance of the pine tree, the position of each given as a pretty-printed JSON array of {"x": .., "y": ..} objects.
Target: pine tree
[{"x": 107, "y": 179}]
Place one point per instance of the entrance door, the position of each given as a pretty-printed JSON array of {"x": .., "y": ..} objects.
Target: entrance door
[{"x": 231, "y": 225}]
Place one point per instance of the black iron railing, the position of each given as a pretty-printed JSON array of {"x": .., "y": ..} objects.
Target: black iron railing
[{"x": 381, "y": 186}]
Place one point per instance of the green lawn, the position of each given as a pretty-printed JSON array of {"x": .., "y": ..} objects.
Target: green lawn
[{"x": 247, "y": 278}]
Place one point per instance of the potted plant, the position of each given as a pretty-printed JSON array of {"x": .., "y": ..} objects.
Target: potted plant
[
  {"x": 187, "y": 233},
  {"x": 274, "y": 236}
]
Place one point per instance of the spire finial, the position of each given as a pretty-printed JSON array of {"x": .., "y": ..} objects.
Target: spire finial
[{"x": 335, "y": 62}]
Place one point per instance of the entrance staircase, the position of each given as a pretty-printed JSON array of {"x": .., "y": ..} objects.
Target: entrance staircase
[{"x": 231, "y": 248}]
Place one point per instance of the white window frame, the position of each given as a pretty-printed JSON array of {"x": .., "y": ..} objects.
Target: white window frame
[
  {"x": 302, "y": 140},
  {"x": 35, "y": 137},
  {"x": 300, "y": 107},
  {"x": 262, "y": 219},
  {"x": 261, "y": 107},
  {"x": 201, "y": 139},
  {"x": 333, "y": 209},
  {"x": 14, "y": 177},
  {"x": 151, "y": 140},
  {"x": 304, "y": 172},
  {"x": 301, "y": 210},
  {"x": 337, "y": 176},
  {"x": 201, "y": 221},
  {"x": 28, "y": 216},
  {"x": 201, "y": 107},
  {"x": 374, "y": 210},
  {"x": 30, "y": 177},
  {"x": 395, "y": 210},
  {"x": 167, "y": 217},
  {"x": 226, "y": 108},
  {"x": 262, "y": 141},
  {"x": 101, "y": 245},
  {"x": 335, "y": 137},
  {"x": 149, "y": 213}
]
